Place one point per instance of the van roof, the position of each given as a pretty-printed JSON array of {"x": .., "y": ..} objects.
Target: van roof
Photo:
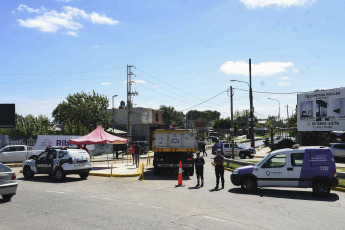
[{"x": 300, "y": 149}]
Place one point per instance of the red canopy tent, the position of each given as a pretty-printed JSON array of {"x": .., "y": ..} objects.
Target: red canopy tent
[{"x": 98, "y": 136}]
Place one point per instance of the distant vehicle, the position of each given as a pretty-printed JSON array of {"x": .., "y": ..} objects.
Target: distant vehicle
[
  {"x": 8, "y": 183},
  {"x": 282, "y": 143},
  {"x": 239, "y": 150},
  {"x": 338, "y": 149},
  {"x": 214, "y": 139},
  {"x": 17, "y": 153},
  {"x": 172, "y": 146},
  {"x": 308, "y": 167},
  {"x": 145, "y": 146},
  {"x": 59, "y": 162}
]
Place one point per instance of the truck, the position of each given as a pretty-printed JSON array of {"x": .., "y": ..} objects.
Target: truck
[
  {"x": 17, "y": 153},
  {"x": 172, "y": 146},
  {"x": 239, "y": 150}
]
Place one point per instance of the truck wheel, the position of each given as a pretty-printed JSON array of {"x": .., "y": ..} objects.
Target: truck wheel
[
  {"x": 7, "y": 196},
  {"x": 321, "y": 188},
  {"x": 83, "y": 175},
  {"x": 60, "y": 174},
  {"x": 28, "y": 173},
  {"x": 242, "y": 155},
  {"x": 248, "y": 184}
]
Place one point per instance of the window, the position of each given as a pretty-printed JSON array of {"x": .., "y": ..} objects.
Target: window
[
  {"x": 52, "y": 155},
  {"x": 339, "y": 146},
  {"x": 20, "y": 148},
  {"x": 42, "y": 156},
  {"x": 297, "y": 159},
  {"x": 62, "y": 154},
  {"x": 226, "y": 145},
  {"x": 156, "y": 117},
  {"x": 276, "y": 161}
]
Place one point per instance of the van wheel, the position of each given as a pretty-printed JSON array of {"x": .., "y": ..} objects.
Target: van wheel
[
  {"x": 60, "y": 174},
  {"x": 242, "y": 155},
  {"x": 248, "y": 184},
  {"x": 321, "y": 188},
  {"x": 28, "y": 173},
  {"x": 83, "y": 175}
]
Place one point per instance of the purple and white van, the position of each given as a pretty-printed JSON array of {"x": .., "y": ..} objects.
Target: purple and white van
[{"x": 302, "y": 167}]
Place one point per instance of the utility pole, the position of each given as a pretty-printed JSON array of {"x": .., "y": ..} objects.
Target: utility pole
[
  {"x": 232, "y": 126},
  {"x": 287, "y": 111},
  {"x": 251, "y": 105},
  {"x": 129, "y": 102}
]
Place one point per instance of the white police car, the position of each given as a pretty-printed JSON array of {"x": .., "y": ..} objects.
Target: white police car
[
  {"x": 308, "y": 167},
  {"x": 59, "y": 162}
]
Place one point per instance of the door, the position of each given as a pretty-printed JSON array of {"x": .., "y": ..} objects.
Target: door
[
  {"x": 274, "y": 172},
  {"x": 296, "y": 168},
  {"x": 44, "y": 162},
  {"x": 20, "y": 155}
]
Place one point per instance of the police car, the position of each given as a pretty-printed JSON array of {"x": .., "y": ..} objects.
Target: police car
[
  {"x": 59, "y": 162},
  {"x": 308, "y": 167}
]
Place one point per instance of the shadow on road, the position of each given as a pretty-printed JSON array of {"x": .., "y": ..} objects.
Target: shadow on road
[
  {"x": 47, "y": 179},
  {"x": 287, "y": 194},
  {"x": 149, "y": 175}
]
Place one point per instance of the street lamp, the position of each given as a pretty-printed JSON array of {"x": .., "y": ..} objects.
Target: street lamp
[
  {"x": 279, "y": 107},
  {"x": 251, "y": 113},
  {"x": 113, "y": 112}
]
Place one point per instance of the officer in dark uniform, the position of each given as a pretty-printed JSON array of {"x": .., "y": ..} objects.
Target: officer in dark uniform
[
  {"x": 199, "y": 169},
  {"x": 219, "y": 168}
]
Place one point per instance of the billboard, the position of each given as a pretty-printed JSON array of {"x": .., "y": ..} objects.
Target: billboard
[
  {"x": 7, "y": 116},
  {"x": 321, "y": 111}
]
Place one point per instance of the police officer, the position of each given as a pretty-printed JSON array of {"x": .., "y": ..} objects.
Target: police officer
[
  {"x": 199, "y": 168},
  {"x": 219, "y": 168}
]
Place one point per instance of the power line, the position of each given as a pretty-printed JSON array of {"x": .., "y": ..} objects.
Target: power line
[{"x": 204, "y": 101}]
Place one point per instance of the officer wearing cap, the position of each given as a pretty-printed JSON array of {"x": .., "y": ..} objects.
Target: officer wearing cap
[
  {"x": 199, "y": 169},
  {"x": 219, "y": 168}
]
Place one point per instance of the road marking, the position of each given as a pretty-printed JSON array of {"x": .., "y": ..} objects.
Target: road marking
[
  {"x": 212, "y": 218},
  {"x": 56, "y": 192}
]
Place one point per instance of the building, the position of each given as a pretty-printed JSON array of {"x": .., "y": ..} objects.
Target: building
[{"x": 144, "y": 122}]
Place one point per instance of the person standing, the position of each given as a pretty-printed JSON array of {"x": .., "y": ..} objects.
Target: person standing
[
  {"x": 203, "y": 149},
  {"x": 199, "y": 169},
  {"x": 137, "y": 152},
  {"x": 219, "y": 168}
]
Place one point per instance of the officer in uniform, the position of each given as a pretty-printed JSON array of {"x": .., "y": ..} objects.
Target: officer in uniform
[
  {"x": 219, "y": 168},
  {"x": 199, "y": 169}
]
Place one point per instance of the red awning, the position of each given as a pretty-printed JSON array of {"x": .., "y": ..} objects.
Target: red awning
[{"x": 98, "y": 136}]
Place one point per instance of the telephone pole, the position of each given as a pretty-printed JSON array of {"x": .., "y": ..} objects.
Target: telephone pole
[
  {"x": 251, "y": 112},
  {"x": 129, "y": 102},
  {"x": 232, "y": 125}
]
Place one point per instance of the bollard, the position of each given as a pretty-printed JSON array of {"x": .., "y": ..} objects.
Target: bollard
[
  {"x": 115, "y": 160},
  {"x": 142, "y": 172},
  {"x": 122, "y": 158},
  {"x": 111, "y": 170}
]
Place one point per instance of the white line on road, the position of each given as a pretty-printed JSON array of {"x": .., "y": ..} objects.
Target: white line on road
[
  {"x": 212, "y": 218},
  {"x": 56, "y": 192}
]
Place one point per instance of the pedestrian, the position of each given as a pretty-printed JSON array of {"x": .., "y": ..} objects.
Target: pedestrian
[
  {"x": 131, "y": 151},
  {"x": 137, "y": 152},
  {"x": 219, "y": 168},
  {"x": 199, "y": 169},
  {"x": 203, "y": 149}
]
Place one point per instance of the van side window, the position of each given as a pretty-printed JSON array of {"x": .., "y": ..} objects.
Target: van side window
[
  {"x": 297, "y": 159},
  {"x": 62, "y": 154},
  {"x": 276, "y": 161},
  {"x": 226, "y": 145}
]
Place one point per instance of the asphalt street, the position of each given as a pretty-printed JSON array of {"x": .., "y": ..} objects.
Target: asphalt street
[{"x": 156, "y": 203}]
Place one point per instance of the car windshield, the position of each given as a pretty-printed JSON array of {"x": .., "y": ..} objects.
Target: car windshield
[
  {"x": 240, "y": 145},
  {"x": 4, "y": 168},
  {"x": 263, "y": 159}
]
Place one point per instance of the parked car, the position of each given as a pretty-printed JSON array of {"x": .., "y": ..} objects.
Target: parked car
[
  {"x": 8, "y": 183},
  {"x": 17, "y": 153},
  {"x": 338, "y": 149},
  {"x": 59, "y": 162},
  {"x": 214, "y": 139},
  {"x": 282, "y": 143},
  {"x": 308, "y": 167},
  {"x": 239, "y": 150}
]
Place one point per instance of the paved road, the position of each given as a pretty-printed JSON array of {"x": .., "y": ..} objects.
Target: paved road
[{"x": 127, "y": 203}]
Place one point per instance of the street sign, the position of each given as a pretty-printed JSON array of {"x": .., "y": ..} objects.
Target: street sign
[{"x": 232, "y": 129}]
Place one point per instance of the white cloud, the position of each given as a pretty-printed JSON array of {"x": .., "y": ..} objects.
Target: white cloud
[
  {"x": 96, "y": 46},
  {"x": 105, "y": 83},
  {"x": 72, "y": 33},
  {"x": 283, "y": 84},
  {"x": 23, "y": 7},
  {"x": 281, "y": 3},
  {"x": 70, "y": 19},
  {"x": 284, "y": 78},
  {"x": 261, "y": 69}
]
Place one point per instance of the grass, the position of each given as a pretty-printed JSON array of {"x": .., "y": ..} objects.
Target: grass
[
  {"x": 341, "y": 183},
  {"x": 340, "y": 169},
  {"x": 232, "y": 165}
]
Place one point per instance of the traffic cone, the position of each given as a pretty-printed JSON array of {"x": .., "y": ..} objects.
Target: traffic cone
[{"x": 180, "y": 175}]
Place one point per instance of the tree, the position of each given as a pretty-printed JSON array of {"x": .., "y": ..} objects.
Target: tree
[
  {"x": 29, "y": 125},
  {"x": 171, "y": 116},
  {"x": 207, "y": 115},
  {"x": 81, "y": 113}
]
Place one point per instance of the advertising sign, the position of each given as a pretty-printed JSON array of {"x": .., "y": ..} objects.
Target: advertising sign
[
  {"x": 43, "y": 141},
  {"x": 321, "y": 111},
  {"x": 7, "y": 116}
]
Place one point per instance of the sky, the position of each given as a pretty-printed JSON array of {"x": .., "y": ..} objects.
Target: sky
[{"x": 185, "y": 52}]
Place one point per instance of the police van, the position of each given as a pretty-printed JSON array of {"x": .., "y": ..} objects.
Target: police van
[
  {"x": 307, "y": 167},
  {"x": 59, "y": 162}
]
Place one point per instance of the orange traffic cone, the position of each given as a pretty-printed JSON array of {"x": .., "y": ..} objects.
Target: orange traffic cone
[{"x": 180, "y": 175}]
